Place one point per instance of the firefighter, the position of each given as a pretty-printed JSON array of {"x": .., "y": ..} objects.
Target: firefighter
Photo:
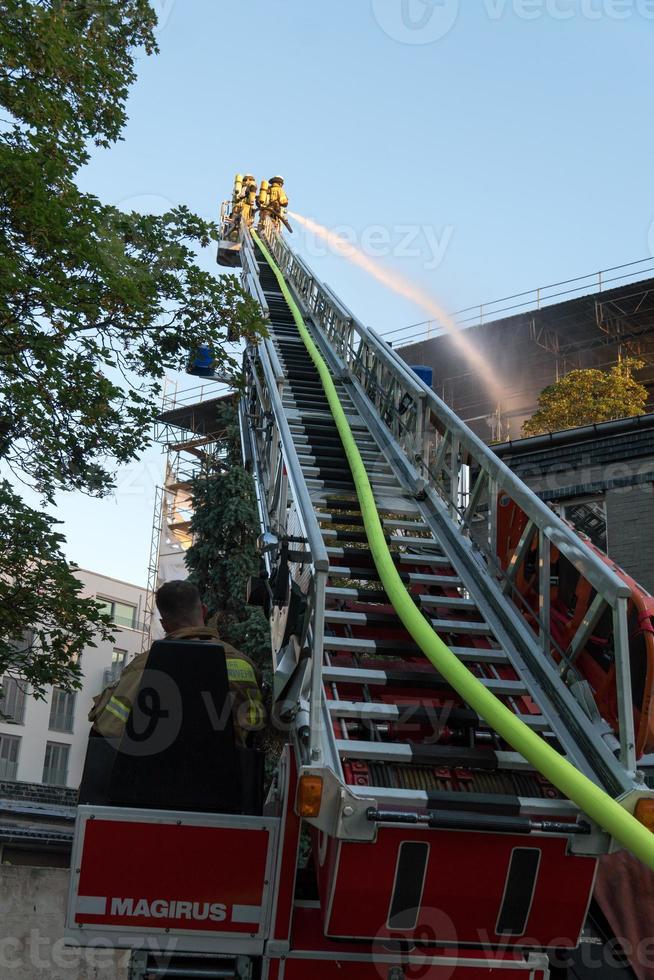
[
  {"x": 277, "y": 201},
  {"x": 263, "y": 199},
  {"x": 248, "y": 199},
  {"x": 183, "y": 618}
]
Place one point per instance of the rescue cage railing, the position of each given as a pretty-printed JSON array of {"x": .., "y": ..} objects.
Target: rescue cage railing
[
  {"x": 285, "y": 506},
  {"x": 449, "y": 456}
]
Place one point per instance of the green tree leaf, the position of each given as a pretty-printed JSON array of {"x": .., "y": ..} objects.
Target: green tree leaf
[
  {"x": 587, "y": 397},
  {"x": 95, "y": 304}
]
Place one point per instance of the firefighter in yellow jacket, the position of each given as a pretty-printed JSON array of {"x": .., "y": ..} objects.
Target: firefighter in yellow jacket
[
  {"x": 248, "y": 199},
  {"x": 277, "y": 201},
  {"x": 182, "y": 617}
]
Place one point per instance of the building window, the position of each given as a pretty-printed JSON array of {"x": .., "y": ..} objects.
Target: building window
[
  {"x": 62, "y": 710},
  {"x": 9, "y": 749},
  {"x": 55, "y": 767},
  {"x": 588, "y": 517},
  {"x": 118, "y": 662},
  {"x": 121, "y": 613},
  {"x": 12, "y": 700}
]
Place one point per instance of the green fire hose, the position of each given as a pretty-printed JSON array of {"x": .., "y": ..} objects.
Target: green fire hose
[{"x": 592, "y": 800}]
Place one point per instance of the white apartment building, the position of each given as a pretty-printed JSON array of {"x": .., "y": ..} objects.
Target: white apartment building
[{"x": 45, "y": 741}]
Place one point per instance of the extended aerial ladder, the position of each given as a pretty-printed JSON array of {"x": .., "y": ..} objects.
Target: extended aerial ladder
[{"x": 444, "y": 749}]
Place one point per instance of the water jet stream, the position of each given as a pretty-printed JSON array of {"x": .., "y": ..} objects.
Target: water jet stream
[{"x": 403, "y": 287}]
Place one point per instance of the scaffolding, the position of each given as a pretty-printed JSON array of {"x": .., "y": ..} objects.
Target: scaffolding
[{"x": 191, "y": 433}]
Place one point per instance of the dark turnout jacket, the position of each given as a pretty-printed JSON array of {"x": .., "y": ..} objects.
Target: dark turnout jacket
[{"x": 111, "y": 709}]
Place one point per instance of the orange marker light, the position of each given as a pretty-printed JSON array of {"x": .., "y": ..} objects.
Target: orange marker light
[
  {"x": 309, "y": 796},
  {"x": 644, "y": 813}
]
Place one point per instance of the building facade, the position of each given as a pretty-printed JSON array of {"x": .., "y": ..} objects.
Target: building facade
[
  {"x": 528, "y": 350},
  {"x": 601, "y": 479},
  {"x": 44, "y": 741}
]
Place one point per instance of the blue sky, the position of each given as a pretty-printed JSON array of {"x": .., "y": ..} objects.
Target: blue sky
[{"x": 510, "y": 138}]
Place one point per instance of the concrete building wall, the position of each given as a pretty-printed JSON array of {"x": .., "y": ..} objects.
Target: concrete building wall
[
  {"x": 630, "y": 523},
  {"x": 34, "y": 732},
  {"x": 32, "y": 915}
]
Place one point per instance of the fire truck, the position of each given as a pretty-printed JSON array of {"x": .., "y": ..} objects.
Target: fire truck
[{"x": 452, "y": 768}]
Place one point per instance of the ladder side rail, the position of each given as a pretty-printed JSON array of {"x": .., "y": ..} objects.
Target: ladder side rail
[
  {"x": 252, "y": 462},
  {"x": 318, "y": 566},
  {"x": 339, "y": 327}
]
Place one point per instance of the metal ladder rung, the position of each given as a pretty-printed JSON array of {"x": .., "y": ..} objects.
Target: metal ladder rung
[
  {"x": 499, "y": 687},
  {"x": 310, "y": 459},
  {"x": 373, "y": 618},
  {"x": 389, "y": 522},
  {"x": 404, "y": 557},
  {"x": 376, "y": 476},
  {"x": 403, "y": 753},
  {"x": 460, "y": 626},
  {"x": 337, "y": 534},
  {"x": 359, "y": 595},
  {"x": 414, "y": 578},
  {"x": 425, "y": 601},
  {"x": 297, "y": 417},
  {"x": 360, "y": 644}
]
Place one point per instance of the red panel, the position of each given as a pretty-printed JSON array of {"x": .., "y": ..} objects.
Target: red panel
[
  {"x": 463, "y": 891},
  {"x": 159, "y": 876},
  {"x": 314, "y": 956},
  {"x": 296, "y": 969}
]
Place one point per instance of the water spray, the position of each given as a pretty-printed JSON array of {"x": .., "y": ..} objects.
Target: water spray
[{"x": 403, "y": 287}]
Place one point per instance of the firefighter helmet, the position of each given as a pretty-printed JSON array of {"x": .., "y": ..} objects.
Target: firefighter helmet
[{"x": 277, "y": 180}]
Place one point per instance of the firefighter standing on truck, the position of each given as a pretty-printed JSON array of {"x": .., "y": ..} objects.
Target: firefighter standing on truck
[{"x": 182, "y": 617}]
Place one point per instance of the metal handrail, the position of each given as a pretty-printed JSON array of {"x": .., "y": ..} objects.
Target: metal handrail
[{"x": 537, "y": 298}]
